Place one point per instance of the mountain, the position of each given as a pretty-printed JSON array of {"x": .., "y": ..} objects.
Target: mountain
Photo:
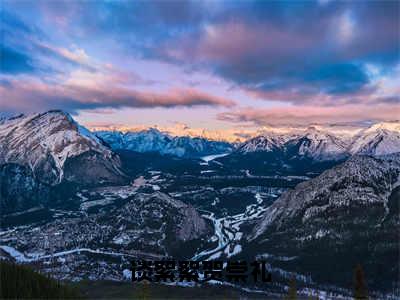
[
  {"x": 317, "y": 145},
  {"x": 152, "y": 140},
  {"x": 325, "y": 226},
  {"x": 323, "y": 145},
  {"x": 157, "y": 223},
  {"x": 42, "y": 150},
  {"x": 304, "y": 153},
  {"x": 270, "y": 143},
  {"x": 311, "y": 151},
  {"x": 379, "y": 139},
  {"x": 313, "y": 144}
]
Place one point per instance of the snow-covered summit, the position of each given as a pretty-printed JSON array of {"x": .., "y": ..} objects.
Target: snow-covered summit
[
  {"x": 390, "y": 126},
  {"x": 320, "y": 145},
  {"x": 150, "y": 140},
  {"x": 153, "y": 140},
  {"x": 324, "y": 144},
  {"x": 379, "y": 139},
  {"x": 266, "y": 143},
  {"x": 44, "y": 142}
]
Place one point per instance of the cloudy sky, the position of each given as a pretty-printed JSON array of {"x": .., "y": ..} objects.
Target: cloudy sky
[{"x": 208, "y": 64}]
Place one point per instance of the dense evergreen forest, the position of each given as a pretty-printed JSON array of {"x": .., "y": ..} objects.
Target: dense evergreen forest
[{"x": 22, "y": 282}]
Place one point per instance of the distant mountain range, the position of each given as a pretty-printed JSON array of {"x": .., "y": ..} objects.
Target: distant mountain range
[
  {"x": 379, "y": 139},
  {"x": 152, "y": 140},
  {"x": 315, "y": 143},
  {"x": 311, "y": 151}
]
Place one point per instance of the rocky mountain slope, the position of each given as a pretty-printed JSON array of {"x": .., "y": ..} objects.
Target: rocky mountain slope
[
  {"x": 152, "y": 140},
  {"x": 44, "y": 150},
  {"x": 48, "y": 143},
  {"x": 317, "y": 145},
  {"x": 379, "y": 139},
  {"x": 325, "y": 226},
  {"x": 265, "y": 143}
]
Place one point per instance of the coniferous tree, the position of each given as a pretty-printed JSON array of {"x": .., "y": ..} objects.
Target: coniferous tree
[
  {"x": 144, "y": 292},
  {"x": 360, "y": 288},
  {"x": 22, "y": 282},
  {"x": 292, "y": 292}
]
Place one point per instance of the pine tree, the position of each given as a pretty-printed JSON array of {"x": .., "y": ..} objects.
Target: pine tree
[
  {"x": 292, "y": 293},
  {"x": 144, "y": 292},
  {"x": 360, "y": 288}
]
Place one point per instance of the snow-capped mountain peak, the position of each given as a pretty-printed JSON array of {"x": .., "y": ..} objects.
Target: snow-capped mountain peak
[
  {"x": 262, "y": 143},
  {"x": 390, "y": 126},
  {"x": 153, "y": 140},
  {"x": 379, "y": 139},
  {"x": 45, "y": 141},
  {"x": 319, "y": 144}
]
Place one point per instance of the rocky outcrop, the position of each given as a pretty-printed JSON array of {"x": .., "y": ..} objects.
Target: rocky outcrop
[{"x": 345, "y": 216}]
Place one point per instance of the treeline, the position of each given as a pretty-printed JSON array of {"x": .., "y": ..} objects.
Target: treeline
[
  {"x": 360, "y": 291},
  {"x": 23, "y": 283}
]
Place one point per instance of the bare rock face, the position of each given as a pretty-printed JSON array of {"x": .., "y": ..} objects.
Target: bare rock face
[
  {"x": 328, "y": 224},
  {"x": 262, "y": 143},
  {"x": 47, "y": 142},
  {"x": 53, "y": 148}
]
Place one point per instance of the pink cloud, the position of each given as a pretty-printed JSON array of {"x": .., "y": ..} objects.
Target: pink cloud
[
  {"x": 20, "y": 95},
  {"x": 311, "y": 114}
]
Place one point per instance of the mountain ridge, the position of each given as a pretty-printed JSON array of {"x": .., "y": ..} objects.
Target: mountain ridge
[
  {"x": 153, "y": 140},
  {"x": 331, "y": 221},
  {"x": 39, "y": 152},
  {"x": 378, "y": 139}
]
